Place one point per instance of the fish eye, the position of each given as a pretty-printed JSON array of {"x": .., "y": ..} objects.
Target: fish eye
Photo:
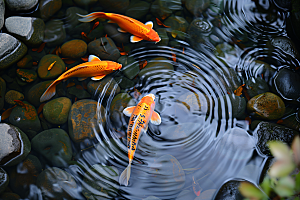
[{"x": 150, "y": 39}]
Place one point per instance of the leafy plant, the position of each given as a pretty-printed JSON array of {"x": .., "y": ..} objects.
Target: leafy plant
[{"x": 279, "y": 183}]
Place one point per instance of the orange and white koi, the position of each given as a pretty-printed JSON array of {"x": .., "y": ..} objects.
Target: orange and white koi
[
  {"x": 139, "y": 30},
  {"x": 140, "y": 116},
  {"x": 94, "y": 68}
]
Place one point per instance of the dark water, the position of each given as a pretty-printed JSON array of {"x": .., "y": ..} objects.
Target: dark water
[{"x": 198, "y": 138}]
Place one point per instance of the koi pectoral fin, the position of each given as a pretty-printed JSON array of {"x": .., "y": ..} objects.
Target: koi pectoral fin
[
  {"x": 121, "y": 30},
  {"x": 155, "y": 118},
  {"x": 93, "y": 58},
  {"x": 134, "y": 39},
  {"x": 150, "y": 24},
  {"x": 97, "y": 78},
  {"x": 128, "y": 111}
]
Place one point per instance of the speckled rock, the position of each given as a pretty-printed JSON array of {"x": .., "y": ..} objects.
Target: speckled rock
[
  {"x": 4, "y": 180},
  {"x": 26, "y": 119},
  {"x": 29, "y": 30},
  {"x": 19, "y": 5},
  {"x": 119, "y": 6},
  {"x": 55, "y": 145},
  {"x": 55, "y": 33},
  {"x": 26, "y": 75},
  {"x": 15, "y": 145},
  {"x": 35, "y": 92},
  {"x": 130, "y": 67},
  {"x": 25, "y": 62},
  {"x": 196, "y": 7},
  {"x": 20, "y": 180},
  {"x": 11, "y": 50},
  {"x": 96, "y": 87},
  {"x": 104, "y": 48},
  {"x": 57, "y": 110},
  {"x": 2, "y": 12},
  {"x": 56, "y": 183},
  {"x": 49, "y": 8},
  {"x": 57, "y": 69},
  {"x": 73, "y": 49},
  {"x": 82, "y": 121},
  {"x": 266, "y": 106},
  {"x": 12, "y": 95},
  {"x": 2, "y": 92},
  {"x": 229, "y": 190}
]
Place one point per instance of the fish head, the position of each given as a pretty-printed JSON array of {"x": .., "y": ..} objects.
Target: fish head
[
  {"x": 113, "y": 66},
  {"x": 149, "y": 99},
  {"x": 153, "y": 36}
]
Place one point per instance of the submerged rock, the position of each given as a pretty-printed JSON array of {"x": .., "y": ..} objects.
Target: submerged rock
[
  {"x": 2, "y": 92},
  {"x": 4, "y": 180},
  {"x": 55, "y": 33},
  {"x": 196, "y": 7},
  {"x": 229, "y": 190},
  {"x": 57, "y": 110},
  {"x": 256, "y": 86},
  {"x": 48, "y": 8},
  {"x": 25, "y": 62},
  {"x": 20, "y": 5},
  {"x": 12, "y": 95},
  {"x": 2, "y": 11},
  {"x": 130, "y": 67},
  {"x": 26, "y": 75},
  {"x": 96, "y": 88},
  {"x": 104, "y": 48},
  {"x": 164, "y": 8},
  {"x": 138, "y": 9},
  {"x": 57, "y": 69},
  {"x": 35, "y": 92},
  {"x": 74, "y": 49}
]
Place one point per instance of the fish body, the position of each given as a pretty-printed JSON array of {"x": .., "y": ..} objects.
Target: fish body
[
  {"x": 94, "y": 68},
  {"x": 140, "y": 115},
  {"x": 139, "y": 30}
]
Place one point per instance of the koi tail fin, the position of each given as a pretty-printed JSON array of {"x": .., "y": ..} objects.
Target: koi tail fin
[
  {"x": 90, "y": 17},
  {"x": 50, "y": 92},
  {"x": 124, "y": 178}
]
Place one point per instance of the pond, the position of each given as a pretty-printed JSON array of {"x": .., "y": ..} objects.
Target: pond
[{"x": 225, "y": 76}]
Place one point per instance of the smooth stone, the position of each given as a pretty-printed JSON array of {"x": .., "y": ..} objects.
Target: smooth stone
[
  {"x": 95, "y": 88},
  {"x": 79, "y": 93},
  {"x": 29, "y": 30},
  {"x": 2, "y": 11},
  {"x": 73, "y": 26},
  {"x": 163, "y": 36},
  {"x": 57, "y": 110},
  {"x": 25, "y": 62},
  {"x": 262, "y": 68},
  {"x": 58, "y": 184},
  {"x": 15, "y": 145},
  {"x": 115, "y": 35},
  {"x": 284, "y": 4},
  {"x": 266, "y": 131},
  {"x": 124, "y": 83},
  {"x": 119, "y": 6},
  {"x": 267, "y": 106},
  {"x": 229, "y": 190},
  {"x": 11, "y": 50},
  {"x": 155, "y": 65},
  {"x": 227, "y": 54},
  {"x": 101, "y": 182},
  {"x": 229, "y": 78},
  {"x": 287, "y": 84},
  {"x": 55, "y": 33},
  {"x": 185, "y": 194},
  {"x": 286, "y": 45},
  {"x": 14, "y": 86},
  {"x": 97, "y": 32},
  {"x": 9, "y": 196},
  {"x": 256, "y": 86},
  {"x": 138, "y": 10},
  {"x": 178, "y": 24},
  {"x": 2, "y": 92},
  {"x": 58, "y": 68},
  {"x": 73, "y": 49},
  {"x": 237, "y": 104},
  {"x": 196, "y": 7},
  {"x": 12, "y": 95},
  {"x": 130, "y": 67},
  {"x": 26, "y": 119},
  {"x": 82, "y": 120},
  {"x": 27, "y": 75},
  {"x": 4, "y": 180},
  {"x": 164, "y": 8},
  {"x": 49, "y": 7},
  {"x": 83, "y": 3},
  {"x": 20, "y": 5},
  {"x": 35, "y": 92},
  {"x": 24, "y": 174},
  {"x": 199, "y": 30},
  {"x": 104, "y": 48},
  {"x": 55, "y": 145}
]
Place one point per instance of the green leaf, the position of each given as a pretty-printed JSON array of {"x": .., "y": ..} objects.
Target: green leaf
[
  {"x": 265, "y": 185},
  {"x": 250, "y": 191},
  {"x": 287, "y": 181},
  {"x": 296, "y": 149},
  {"x": 280, "y": 150},
  {"x": 281, "y": 168},
  {"x": 297, "y": 187},
  {"x": 284, "y": 191}
]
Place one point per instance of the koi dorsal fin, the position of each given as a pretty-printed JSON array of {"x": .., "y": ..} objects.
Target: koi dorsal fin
[
  {"x": 134, "y": 39},
  {"x": 128, "y": 111},
  {"x": 150, "y": 24},
  {"x": 155, "y": 118},
  {"x": 93, "y": 58}
]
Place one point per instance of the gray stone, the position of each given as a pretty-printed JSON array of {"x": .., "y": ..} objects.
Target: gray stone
[
  {"x": 30, "y": 30},
  {"x": 55, "y": 33},
  {"x": 17, "y": 5},
  {"x": 4, "y": 180},
  {"x": 130, "y": 66},
  {"x": 138, "y": 9},
  {"x": 2, "y": 11},
  {"x": 11, "y": 50},
  {"x": 2, "y": 93}
]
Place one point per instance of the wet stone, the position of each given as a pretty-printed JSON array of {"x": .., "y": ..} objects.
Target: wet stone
[
  {"x": 104, "y": 48},
  {"x": 35, "y": 92},
  {"x": 227, "y": 53},
  {"x": 55, "y": 33},
  {"x": 25, "y": 62},
  {"x": 119, "y": 6},
  {"x": 57, "y": 110},
  {"x": 238, "y": 106},
  {"x": 115, "y": 35},
  {"x": 156, "y": 64},
  {"x": 178, "y": 24},
  {"x": 56, "y": 183},
  {"x": 73, "y": 26},
  {"x": 9, "y": 196},
  {"x": 266, "y": 106},
  {"x": 57, "y": 69},
  {"x": 15, "y": 145},
  {"x": 29, "y": 30},
  {"x": 266, "y": 131},
  {"x": 124, "y": 82},
  {"x": 196, "y": 7},
  {"x": 96, "y": 87},
  {"x": 287, "y": 84},
  {"x": 138, "y": 9},
  {"x": 49, "y": 7},
  {"x": 12, "y": 95},
  {"x": 130, "y": 67},
  {"x": 164, "y": 8},
  {"x": 2, "y": 92},
  {"x": 163, "y": 36},
  {"x": 24, "y": 174},
  {"x": 256, "y": 86},
  {"x": 11, "y": 50},
  {"x": 286, "y": 45},
  {"x": 96, "y": 32},
  {"x": 26, "y": 119},
  {"x": 82, "y": 121},
  {"x": 27, "y": 75},
  {"x": 79, "y": 93},
  {"x": 199, "y": 30},
  {"x": 229, "y": 190},
  {"x": 230, "y": 79},
  {"x": 4, "y": 180},
  {"x": 2, "y": 11},
  {"x": 103, "y": 179},
  {"x": 85, "y": 2},
  {"x": 20, "y": 5},
  {"x": 55, "y": 145},
  {"x": 73, "y": 49}
]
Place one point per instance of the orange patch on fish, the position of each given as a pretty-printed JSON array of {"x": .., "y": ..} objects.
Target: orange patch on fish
[
  {"x": 161, "y": 24},
  {"x": 238, "y": 92},
  {"x": 95, "y": 25}
]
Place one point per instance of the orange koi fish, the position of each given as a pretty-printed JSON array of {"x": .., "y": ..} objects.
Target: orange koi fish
[
  {"x": 140, "y": 116},
  {"x": 139, "y": 30},
  {"x": 94, "y": 67}
]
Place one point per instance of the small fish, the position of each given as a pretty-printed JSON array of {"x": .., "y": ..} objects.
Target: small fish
[
  {"x": 20, "y": 103},
  {"x": 139, "y": 30},
  {"x": 7, "y": 112},
  {"x": 161, "y": 24},
  {"x": 94, "y": 68},
  {"x": 95, "y": 25},
  {"x": 51, "y": 65},
  {"x": 140, "y": 116},
  {"x": 196, "y": 187}
]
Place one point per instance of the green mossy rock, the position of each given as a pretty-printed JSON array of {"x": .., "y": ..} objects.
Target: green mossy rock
[
  {"x": 12, "y": 95},
  {"x": 256, "y": 86},
  {"x": 25, "y": 62},
  {"x": 155, "y": 65},
  {"x": 35, "y": 92},
  {"x": 104, "y": 48},
  {"x": 27, "y": 75},
  {"x": 130, "y": 67},
  {"x": 57, "y": 69},
  {"x": 96, "y": 87},
  {"x": 55, "y": 33},
  {"x": 57, "y": 110},
  {"x": 196, "y": 7}
]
